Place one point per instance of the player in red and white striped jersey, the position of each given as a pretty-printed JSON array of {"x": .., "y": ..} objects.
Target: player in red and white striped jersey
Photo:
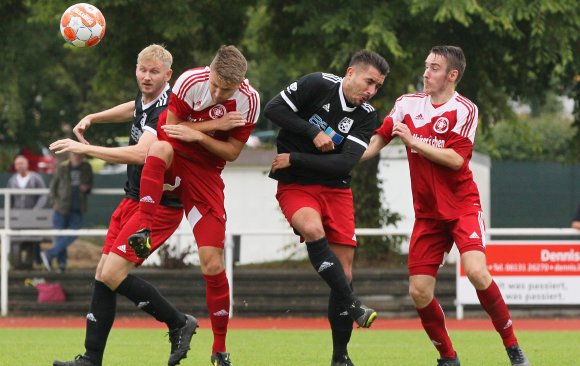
[
  {"x": 210, "y": 116},
  {"x": 438, "y": 128}
]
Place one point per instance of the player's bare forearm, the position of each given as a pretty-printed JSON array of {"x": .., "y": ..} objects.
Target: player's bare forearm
[
  {"x": 375, "y": 146},
  {"x": 120, "y": 113},
  {"x": 227, "y": 150},
  {"x": 446, "y": 156}
]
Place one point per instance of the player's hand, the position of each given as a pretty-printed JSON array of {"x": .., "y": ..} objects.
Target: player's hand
[
  {"x": 231, "y": 120},
  {"x": 183, "y": 133},
  {"x": 67, "y": 145},
  {"x": 402, "y": 130},
  {"x": 80, "y": 129},
  {"x": 281, "y": 161},
  {"x": 323, "y": 142}
]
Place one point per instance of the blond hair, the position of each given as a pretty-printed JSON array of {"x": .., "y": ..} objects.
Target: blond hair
[
  {"x": 155, "y": 52},
  {"x": 230, "y": 64}
]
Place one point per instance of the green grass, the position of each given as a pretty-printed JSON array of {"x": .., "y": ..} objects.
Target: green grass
[{"x": 129, "y": 347}]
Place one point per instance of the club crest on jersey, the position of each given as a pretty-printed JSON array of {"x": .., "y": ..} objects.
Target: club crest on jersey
[
  {"x": 441, "y": 125},
  {"x": 345, "y": 124},
  {"x": 217, "y": 111}
]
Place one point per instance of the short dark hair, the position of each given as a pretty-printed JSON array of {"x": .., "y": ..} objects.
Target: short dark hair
[
  {"x": 371, "y": 58},
  {"x": 455, "y": 59}
]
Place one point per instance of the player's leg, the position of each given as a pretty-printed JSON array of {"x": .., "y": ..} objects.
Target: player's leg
[
  {"x": 429, "y": 242},
  {"x": 469, "y": 234},
  {"x": 209, "y": 232},
  {"x": 341, "y": 324},
  {"x": 159, "y": 159},
  {"x": 101, "y": 315},
  {"x": 142, "y": 293},
  {"x": 302, "y": 209}
]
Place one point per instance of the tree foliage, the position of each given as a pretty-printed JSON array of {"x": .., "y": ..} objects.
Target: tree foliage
[{"x": 515, "y": 49}]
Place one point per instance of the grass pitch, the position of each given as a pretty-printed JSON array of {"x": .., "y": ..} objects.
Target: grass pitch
[{"x": 127, "y": 347}]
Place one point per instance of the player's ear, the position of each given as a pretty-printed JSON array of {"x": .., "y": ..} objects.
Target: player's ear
[
  {"x": 453, "y": 74},
  {"x": 168, "y": 74}
]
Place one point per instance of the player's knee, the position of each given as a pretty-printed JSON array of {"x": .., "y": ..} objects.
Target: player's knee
[
  {"x": 311, "y": 231},
  {"x": 479, "y": 276},
  {"x": 212, "y": 265},
  {"x": 420, "y": 295},
  {"x": 162, "y": 150},
  {"x": 111, "y": 279}
]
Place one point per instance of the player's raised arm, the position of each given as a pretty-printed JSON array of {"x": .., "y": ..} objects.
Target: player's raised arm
[
  {"x": 375, "y": 146},
  {"x": 121, "y": 113}
]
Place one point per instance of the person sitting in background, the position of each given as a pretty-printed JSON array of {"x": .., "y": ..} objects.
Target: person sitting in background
[
  {"x": 69, "y": 190},
  {"x": 576, "y": 219},
  {"x": 25, "y": 179}
]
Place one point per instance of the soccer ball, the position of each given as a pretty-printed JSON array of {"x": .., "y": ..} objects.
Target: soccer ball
[{"x": 82, "y": 25}]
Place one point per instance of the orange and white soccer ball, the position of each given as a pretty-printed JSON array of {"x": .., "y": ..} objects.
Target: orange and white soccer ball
[{"x": 82, "y": 25}]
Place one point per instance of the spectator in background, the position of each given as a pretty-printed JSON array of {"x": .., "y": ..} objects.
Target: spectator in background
[
  {"x": 576, "y": 219},
  {"x": 69, "y": 190},
  {"x": 25, "y": 179}
]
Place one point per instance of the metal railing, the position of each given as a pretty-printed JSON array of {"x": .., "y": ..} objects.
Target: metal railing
[{"x": 6, "y": 234}]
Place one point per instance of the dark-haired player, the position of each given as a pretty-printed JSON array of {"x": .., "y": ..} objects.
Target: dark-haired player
[{"x": 326, "y": 124}]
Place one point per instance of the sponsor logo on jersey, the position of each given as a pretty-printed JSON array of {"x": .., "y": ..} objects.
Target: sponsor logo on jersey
[
  {"x": 147, "y": 199},
  {"x": 318, "y": 121},
  {"x": 441, "y": 125},
  {"x": 431, "y": 140},
  {"x": 336, "y": 138},
  {"x": 222, "y": 312},
  {"x": 325, "y": 265},
  {"x": 91, "y": 317},
  {"x": 217, "y": 111},
  {"x": 136, "y": 133},
  {"x": 326, "y": 107},
  {"x": 474, "y": 235},
  {"x": 143, "y": 119},
  {"x": 122, "y": 248},
  {"x": 345, "y": 124}
]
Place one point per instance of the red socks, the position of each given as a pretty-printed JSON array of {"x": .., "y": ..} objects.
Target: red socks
[
  {"x": 433, "y": 320},
  {"x": 217, "y": 295},
  {"x": 493, "y": 303},
  {"x": 152, "y": 179}
]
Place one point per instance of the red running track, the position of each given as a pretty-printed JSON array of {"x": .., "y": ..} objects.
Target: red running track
[{"x": 294, "y": 323}]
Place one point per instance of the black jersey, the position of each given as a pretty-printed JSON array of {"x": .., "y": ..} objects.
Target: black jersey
[
  {"x": 312, "y": 104},
  {"x": 145, "y": 119}
]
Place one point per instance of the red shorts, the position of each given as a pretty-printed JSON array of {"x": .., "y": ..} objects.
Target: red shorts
[
  {"x": 125, "y": 222},
  {"x": 334, "y": 205},
  {"x": 431, "y": 239},
  {"x": 201, "y": 191}
]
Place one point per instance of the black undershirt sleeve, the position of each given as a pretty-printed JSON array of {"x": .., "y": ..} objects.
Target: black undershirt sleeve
[
  {"x": 335, "y": 164},
  {"x": 282, "y": 115}
]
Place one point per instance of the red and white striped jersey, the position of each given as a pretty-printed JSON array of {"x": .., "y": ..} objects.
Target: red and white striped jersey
[
  {"x": 438, "y": 191},
  {"x": 191, "y": 101}
]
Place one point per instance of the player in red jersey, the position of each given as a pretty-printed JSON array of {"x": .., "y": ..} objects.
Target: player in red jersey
[
  {"x": 112, "y": 276},
  {"x": 210, "y": 116},
  {"x": 438, "y": 127}
]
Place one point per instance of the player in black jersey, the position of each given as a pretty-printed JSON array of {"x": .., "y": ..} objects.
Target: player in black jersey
[
  {"x": 112, "y": 276},
  {"x": 326, "y": 124}
]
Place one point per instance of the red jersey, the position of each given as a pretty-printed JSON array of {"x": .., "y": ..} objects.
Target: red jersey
[
  {"x": 190, "y": 100},
  {"x": 438, "y": 191}
]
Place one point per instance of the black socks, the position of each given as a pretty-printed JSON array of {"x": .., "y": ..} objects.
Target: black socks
[{"x": 150, "y": 300}]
